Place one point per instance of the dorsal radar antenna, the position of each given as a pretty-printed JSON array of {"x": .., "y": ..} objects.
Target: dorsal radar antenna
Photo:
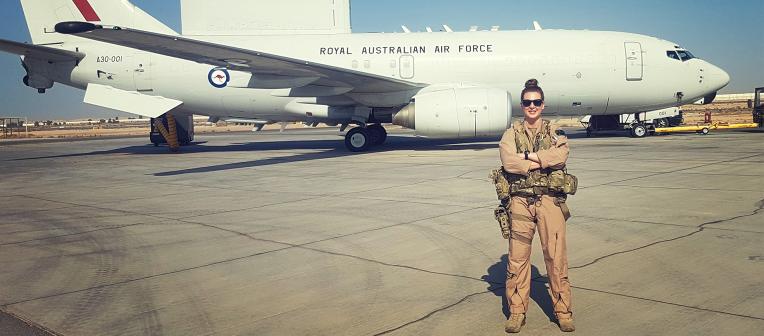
[
  {"x": 537, "y": 26},
  {"x": 448, "y": 29},
  {"x": 474, "y": 28},
  {"x": 406, "y": 29},
  {"x": 495, "y": 28}
]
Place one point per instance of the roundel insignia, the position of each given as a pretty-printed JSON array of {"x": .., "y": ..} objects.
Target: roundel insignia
[{"x": 219, "y": 77}]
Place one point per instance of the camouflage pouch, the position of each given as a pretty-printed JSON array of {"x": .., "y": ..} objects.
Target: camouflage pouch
[
  {"x": 537, "y": 179},
  {"x": 501, "y": 183},
  {"x": 502, "y": 216},
  {"x": 557, "y": 181},
  {"x": 562, "y": 203},
  {"x": 570, "y": 186}
]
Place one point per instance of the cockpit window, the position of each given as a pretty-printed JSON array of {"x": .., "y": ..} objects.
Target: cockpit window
[
  {"x": 673, "y": 54},
  {"x": 685, "y": 55}
]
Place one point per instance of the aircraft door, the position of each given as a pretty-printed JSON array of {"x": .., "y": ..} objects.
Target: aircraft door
[
  {"x": 142, "y": 73},
  {"x": 634, "y": 64},
  {"x": 407, "y": 67}
]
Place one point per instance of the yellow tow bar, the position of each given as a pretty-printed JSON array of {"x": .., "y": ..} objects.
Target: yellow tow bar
[{"x": 704, "y": 128}]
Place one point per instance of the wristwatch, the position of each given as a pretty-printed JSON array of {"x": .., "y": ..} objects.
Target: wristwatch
[{"x": 526, "y": 154}]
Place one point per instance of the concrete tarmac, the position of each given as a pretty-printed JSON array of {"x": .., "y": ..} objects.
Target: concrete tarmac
[{"x": 290, "y": 234}]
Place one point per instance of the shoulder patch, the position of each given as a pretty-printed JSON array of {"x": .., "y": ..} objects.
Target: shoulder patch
[{"x": 559, "y": 132}]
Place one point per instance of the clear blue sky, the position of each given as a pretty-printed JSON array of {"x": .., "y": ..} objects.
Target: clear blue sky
[{"x": 726, "y": 33}]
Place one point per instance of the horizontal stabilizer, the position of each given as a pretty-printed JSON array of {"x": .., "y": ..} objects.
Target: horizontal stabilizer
[
  {"x": 40, "y": 52},
  {"x": 129, "y": 101}
]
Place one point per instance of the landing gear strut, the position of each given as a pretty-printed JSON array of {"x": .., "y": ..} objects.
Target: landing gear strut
[{"x": 360, "y": 139}]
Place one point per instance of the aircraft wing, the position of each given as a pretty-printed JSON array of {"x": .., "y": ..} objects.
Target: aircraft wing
[
  {"x": 258, "y": 63},
  {"x": 40, "y": 52}
]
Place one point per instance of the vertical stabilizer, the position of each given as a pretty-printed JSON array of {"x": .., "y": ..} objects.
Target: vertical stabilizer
[{"x": 42, "y": 16}]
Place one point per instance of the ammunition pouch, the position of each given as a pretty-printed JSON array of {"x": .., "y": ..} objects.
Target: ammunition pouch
[
  {"x": 560, "y": 182},
  {"x": 503, "y": 217},
  {"x": 501, "y": 183}
]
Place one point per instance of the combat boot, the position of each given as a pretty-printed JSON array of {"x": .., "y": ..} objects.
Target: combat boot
[
  {"x": 514, "y": 323},
  {"x": 566, "y": 324}
]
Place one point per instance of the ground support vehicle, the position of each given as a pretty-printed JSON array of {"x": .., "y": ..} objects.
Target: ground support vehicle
[
  {"x": 758, "y": 107},
  {"x": 639, "y": 124}
]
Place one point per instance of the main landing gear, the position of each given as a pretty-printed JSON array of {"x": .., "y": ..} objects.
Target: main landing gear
[{"x": 360, "y": 139}]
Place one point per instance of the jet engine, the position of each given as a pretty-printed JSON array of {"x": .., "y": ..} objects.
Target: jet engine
[
  {"x": 36, "y": 80},
  {"x": 457, "y": 111}
]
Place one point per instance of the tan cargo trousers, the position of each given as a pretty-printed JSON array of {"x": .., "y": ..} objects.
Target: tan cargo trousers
[{"x": 547, "y": 217}]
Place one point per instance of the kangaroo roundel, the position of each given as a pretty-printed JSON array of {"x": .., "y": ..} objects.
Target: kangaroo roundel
[{"x": 219, "y": 77}]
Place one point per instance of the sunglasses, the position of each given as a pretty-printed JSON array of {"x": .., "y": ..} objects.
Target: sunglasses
[{"x": 536, "y": 102}]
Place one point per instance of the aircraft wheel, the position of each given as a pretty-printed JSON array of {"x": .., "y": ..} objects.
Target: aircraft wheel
[
  {"x": 663, "y": 122},
  {"x": 358, "y": 139},
  {"x": 639, "y": 131},
  {"x": 378, "y": 134}
]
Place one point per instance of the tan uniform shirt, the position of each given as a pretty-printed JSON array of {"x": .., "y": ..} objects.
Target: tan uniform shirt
[{"x": 554, "y": 157}]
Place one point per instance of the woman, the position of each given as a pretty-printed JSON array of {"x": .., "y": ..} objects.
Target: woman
[{"x": 533, "y": 152}]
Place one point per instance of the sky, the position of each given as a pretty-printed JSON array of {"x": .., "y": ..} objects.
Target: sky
[{"x": 726, "y": 33}]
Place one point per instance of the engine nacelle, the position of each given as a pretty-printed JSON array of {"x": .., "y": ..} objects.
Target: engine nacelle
[
  {"x": 35, "y": 79},
  {"x": 457, "y": 111}
]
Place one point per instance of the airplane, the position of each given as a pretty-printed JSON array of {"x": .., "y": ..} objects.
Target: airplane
[{"x": 440, "y": 84}]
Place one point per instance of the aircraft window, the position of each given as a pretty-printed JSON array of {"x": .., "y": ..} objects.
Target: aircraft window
[
  {"x": 672, "y": 54},
  {"x": 685, "y": 55}
]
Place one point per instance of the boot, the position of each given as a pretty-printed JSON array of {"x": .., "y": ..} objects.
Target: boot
[
  {"x": 566, "y": 324},
  {"x": 514, "y": 323}
]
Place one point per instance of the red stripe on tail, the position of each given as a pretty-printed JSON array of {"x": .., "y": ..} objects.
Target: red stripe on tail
[{"x": 87, "y": 10}]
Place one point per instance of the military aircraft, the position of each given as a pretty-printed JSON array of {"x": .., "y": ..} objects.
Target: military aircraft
[{"x": 441, "y": 84}]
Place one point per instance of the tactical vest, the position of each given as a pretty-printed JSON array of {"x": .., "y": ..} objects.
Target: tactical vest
[{"x": 544, "y": 181}]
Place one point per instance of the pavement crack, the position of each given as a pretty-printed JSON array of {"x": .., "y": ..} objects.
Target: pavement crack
[
  {"x": 153, "y": 276},
  {"x": 663, "y": 224},
  {"x": 432, "y": 313},
  {"x": 72, "y": 234},
  {"x": 700, "y": 228},
  {"x": 249, "y": 236},
  {"x": 670, "y": 303},
  {"x": 671, "y": 172}
]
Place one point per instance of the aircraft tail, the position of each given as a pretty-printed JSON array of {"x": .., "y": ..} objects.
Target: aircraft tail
[{"x": 43, "y": 15}]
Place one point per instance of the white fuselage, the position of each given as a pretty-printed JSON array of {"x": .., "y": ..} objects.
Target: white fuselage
[{"x": 582, "y": 72}]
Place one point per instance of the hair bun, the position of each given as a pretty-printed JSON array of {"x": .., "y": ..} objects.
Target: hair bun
[{"x": 531, "y": 83}]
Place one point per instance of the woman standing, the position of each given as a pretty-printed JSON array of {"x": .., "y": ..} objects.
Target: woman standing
[{"x": 533, "y": 153}]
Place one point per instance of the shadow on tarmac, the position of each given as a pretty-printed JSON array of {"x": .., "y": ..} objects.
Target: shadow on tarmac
[
  {"x": 496, "y": 278},
  {"x": 323, "y": 149}
]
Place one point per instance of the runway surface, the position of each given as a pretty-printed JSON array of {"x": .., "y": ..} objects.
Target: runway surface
[{"x": 290, "y": 234}]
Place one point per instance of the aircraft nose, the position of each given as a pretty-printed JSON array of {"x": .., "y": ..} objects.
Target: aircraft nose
[{"x": 717, "y": 77}]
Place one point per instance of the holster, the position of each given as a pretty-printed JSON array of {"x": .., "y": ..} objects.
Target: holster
[
  {"x": 504, "y": 217},
  {"x": 562, "y": 203}
]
